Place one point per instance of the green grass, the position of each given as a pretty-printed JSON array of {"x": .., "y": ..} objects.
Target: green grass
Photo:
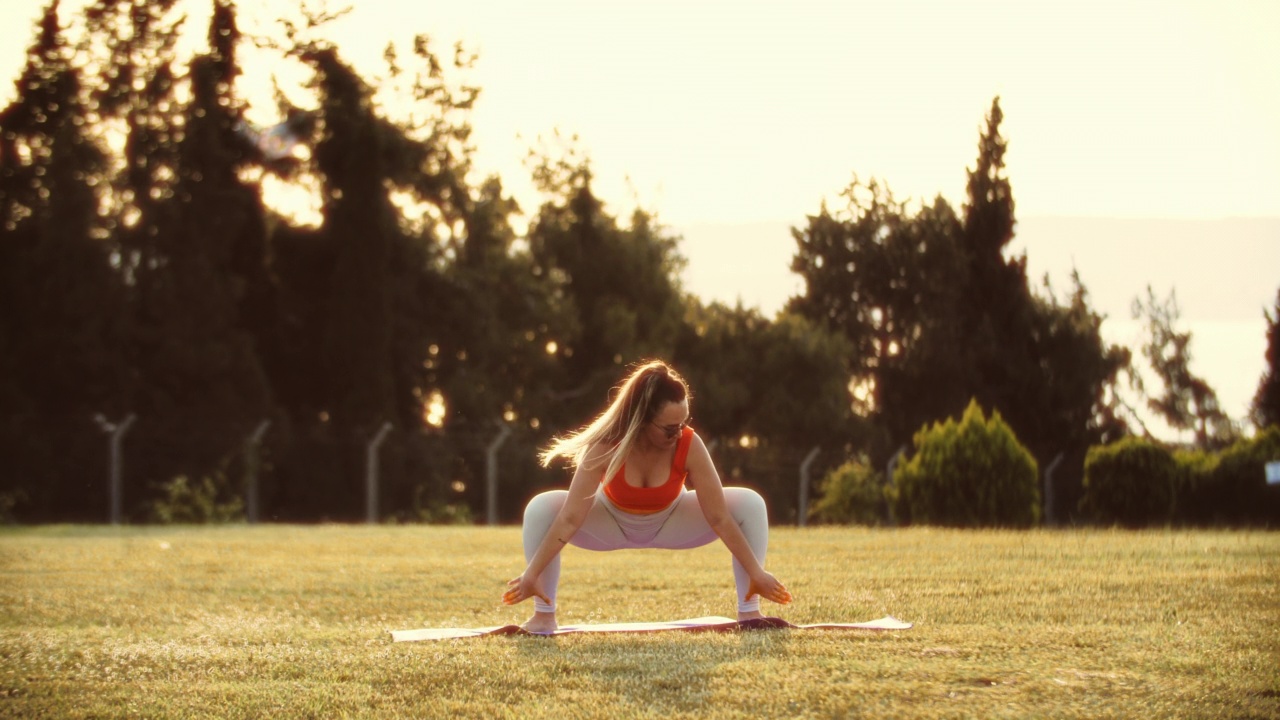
[{"x": 293, "y": 622}]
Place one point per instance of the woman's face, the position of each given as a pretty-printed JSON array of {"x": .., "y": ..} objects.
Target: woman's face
[{"x": 669, "y": 422}]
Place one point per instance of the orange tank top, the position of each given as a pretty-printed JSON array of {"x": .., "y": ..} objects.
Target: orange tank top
[{"x": 649, "y": 500}]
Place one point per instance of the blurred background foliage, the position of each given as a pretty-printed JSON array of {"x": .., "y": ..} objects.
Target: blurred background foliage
[{"x": 143, "y": 275}]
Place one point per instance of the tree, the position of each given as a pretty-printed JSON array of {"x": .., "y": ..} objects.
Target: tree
[
  {"x": 1266, "y": 402},
  {"x": 62, "y": 332},
  {"x": 1075, "y": 405},
  {"x": 1186, "y": 401},
  {"x": 717, "y": 352},
  {"x": 765, "y": 394},
  {"x": 498, "y": 351},
  {"x": 360, "y": 223},
  {"x": 997, "y": 317},
  {"x": 888, "y": 282},
  {"x": 203, "y": 388},
  {"x": 937, "y": 314},
  {"x": 618, "y": 287},
  {"x": 360, "y": 298}
]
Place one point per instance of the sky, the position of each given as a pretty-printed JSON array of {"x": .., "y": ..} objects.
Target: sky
[{"x": 732, "y": 121}]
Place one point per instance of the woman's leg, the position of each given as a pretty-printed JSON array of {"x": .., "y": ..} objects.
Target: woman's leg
[
  {"x": 688, "y": 528},
  {"x": 598, "y": 532}
]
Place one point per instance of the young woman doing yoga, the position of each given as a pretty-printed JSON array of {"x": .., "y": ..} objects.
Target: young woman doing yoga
[{"x": 630, "y": 468}]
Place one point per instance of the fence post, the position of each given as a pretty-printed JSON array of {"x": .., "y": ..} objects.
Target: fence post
[
  {"x": 1050, "y": 507},
  {"x": 804, "y": 485},
  {"x": 116, "y": 490},
  {"x": 371, "y": 474},
  {"x": 491, "y": 474},
  {"x": 252, "y": 462},
  {"x": 888, "y": 478}
]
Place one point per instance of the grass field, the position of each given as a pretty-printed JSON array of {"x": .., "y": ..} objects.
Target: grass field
[{"x": 293, "y": 622}]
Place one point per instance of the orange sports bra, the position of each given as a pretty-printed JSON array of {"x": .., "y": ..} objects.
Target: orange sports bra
[{"x": 649, "y": 500}]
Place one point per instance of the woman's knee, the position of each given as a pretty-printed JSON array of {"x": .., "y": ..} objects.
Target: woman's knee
[
  {"x": 746, "y": 503},
  {"x": 545, "y": 505}
]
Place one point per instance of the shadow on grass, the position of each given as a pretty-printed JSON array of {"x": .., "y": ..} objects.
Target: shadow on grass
[{"x": 673, "y": 668}]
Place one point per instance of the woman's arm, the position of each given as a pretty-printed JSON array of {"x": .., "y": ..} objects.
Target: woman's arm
[
  {"x": 706, "y": 483},
  {"x": 582, "y": 492}
]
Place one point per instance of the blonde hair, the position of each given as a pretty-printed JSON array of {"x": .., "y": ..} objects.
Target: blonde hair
[{"x": 638, "y": 399}]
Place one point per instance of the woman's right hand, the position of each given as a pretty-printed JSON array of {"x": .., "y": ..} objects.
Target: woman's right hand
[
  {"x": 519, "y": 590},
  {"x": 768, "y": 587}
]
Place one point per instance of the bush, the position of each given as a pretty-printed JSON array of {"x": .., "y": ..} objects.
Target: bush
[
  {"x": 851, "y": 494},
  {"x": 973, "y": 473},
  {"x": 1235, "y": 489},
  {"x": 1131, "y": 482},
  {"x": 186, "y": 502},
  {"x": 1195, "y": 469},
  {"x": 438, "y": 513},
  {"x": 8, "y": 501}
]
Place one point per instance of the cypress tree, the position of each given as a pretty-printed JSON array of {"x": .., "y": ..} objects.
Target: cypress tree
[
  {"x": 61, "y": 336},
  {"x": 1266, "y": 402}
]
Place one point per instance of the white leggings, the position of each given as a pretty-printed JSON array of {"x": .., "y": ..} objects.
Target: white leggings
[{"x": 680, "y": 527}]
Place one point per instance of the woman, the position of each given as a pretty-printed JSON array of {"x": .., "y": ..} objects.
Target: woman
[{"x": 627, "y": 491}]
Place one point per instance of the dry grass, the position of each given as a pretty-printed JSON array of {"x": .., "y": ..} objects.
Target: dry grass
[{"x": 294, "y": 622}]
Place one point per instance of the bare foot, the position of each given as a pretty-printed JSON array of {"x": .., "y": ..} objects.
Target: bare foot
[{"x": 542, "y": 623}]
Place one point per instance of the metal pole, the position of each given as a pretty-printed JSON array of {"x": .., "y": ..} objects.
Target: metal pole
[
  {"x": 1050, "y": 509},
  {"x": 804, "y": 485},
  {"x": 888, "y": 478},
  {"x": 116, "y": 489},
  {"x": 371, "y": 474},
  {"x": 252, "y": 461},
  {"x": 491, "y": 474}
]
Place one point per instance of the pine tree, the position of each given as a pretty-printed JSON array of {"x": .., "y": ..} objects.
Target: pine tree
[
  {"x": 203, "y": 386},
  {"x": 1186, "y": 401},
  {"x": 62, "y": 333},
  {"x": 996, "y": 312},
  {"x": 1266, "y": 402}
]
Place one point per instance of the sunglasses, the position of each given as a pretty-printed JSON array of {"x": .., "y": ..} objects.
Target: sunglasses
[{"x": 671, "y": 431}]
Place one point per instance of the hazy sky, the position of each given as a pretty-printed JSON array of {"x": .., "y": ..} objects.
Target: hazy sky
[
  {"x": 737, "y": 111},
  {"x": 713, "y": 112},
  {"x": 732, "y": 111}
]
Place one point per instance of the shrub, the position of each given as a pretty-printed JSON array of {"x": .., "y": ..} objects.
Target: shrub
[
  {"x": 851, "y": 494},
  {"x": 186, "y": 502},
  {"x": 971, "y": 473},
  {"x": 8, "y": 501},
  {"x": 1195, "y": 469},
  {"x": 1236, "y": 491},
  {"x": 439, "y": 513},
  {"x": 1130, "y": 482}
]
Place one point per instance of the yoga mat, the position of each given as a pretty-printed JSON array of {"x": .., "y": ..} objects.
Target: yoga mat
[{"x": 715, "y": 623}]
